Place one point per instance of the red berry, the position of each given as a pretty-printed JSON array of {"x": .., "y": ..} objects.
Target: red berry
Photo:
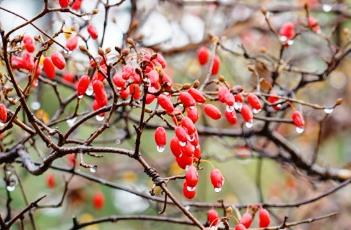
[
  {"x": 135, "y": 91},
  {"x": 274, "y": 99},
  {"x": 27, "y": 61},
  {"x": 149, "y": 98},
  {"x": 188, "y": 124},
  {"x": 98, "y": 200},
  {"x": 217, "y": 179},
  {"x": 246, "y": 113},
  {"x": 49, "y": 68},
  {"x": 202, "y": 55},
  {"x": 254, "y": 101},
  {"x": 239, "y": 98},
  {"x": 231, "y": 117},
  {"x": 240, "y": 227},
  {"x": 3, "y": 113},
  {"x": 298, "y": 119},
  {"x": 187, "y": 99},
  {"x": 246, "y": 220},
  {"x": 222, "y": 92},
  {"x": 100, "y": 93},
  {"x": 229, "y": 99},
  {"x": 72, "y": 43},
  {"x": 216, "y": 65},
  {"x": 212, "y": 111},
  {"x": 166, "y": 103},
  {"x": 153, "y": 78},
  {"x": 50, "y": 181},
  {"x": 58, "y": 60},
  {"x": 175, "y": 147},
  {"x": 184, "y": 161},
  {"x": 71, "y": 159},
  {"x": 28, "y": 43},
  {"x": 77, "y": 4},
  {"x": 264, "y": 218},
  {"x": 124, "y": 93},
  {"x": 181, "y": 134},
  {"x": 119, "y": 81},
  {"x": 212, "y": 217},
  {"x": 68, "y": 77},
  {"x": 189, "y": 194},
  {"x": 191, "y": 176},
  {"x": 192, "y": 113},
  {"x": 188, "y": 150},
  {"x": 160, "y": 138},
  {"x": 287, "y": 31},
  {"x": 92, "y": 31},
  {"x": 64, "y": 3},
  {"x": 313, "y": 24},
  {"x": 197, "y": 95},
  {"x": 83, "y": 84}
]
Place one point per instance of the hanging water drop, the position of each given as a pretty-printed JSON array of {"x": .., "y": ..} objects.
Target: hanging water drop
[
  {"x": 249, "y": 124},
  {"x": 283, "y": 38},
  {"x": 89, "y": 91},
  {"x": 99, "y": 117},
  {"x": 70, "y": 122},
  {"x": 229, "y": 108},
  {"x": 181, "y": 143},
  {"x": 1, "y": 124},
  {"x": 80, "y": 96},
  {"x": 290, "y": 42},
  {"x": 35, "y": 105},
  {"x": 93, "y": 168},
  {"x": 256, "y": 111},
  {"x": 300, "y": 129},
  {"x": 327, "y": 8},
  {"x": 238, "y": 105},
  {"x": 160, "y": 148},
  {"x": 328, "y": 110},
  {"x": 218, "y": 189},
  {"x": 10, "y": 187},
  {"x": 190, "y": 189}
]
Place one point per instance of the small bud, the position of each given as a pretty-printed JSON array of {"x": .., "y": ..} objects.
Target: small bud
[
  {"x": 186, "y": 86},
  {"x": 124, "y": 52},
  {"x": 339, "y": 101},
  {"x": 196, "y": 84},
  {"x": 101, "y": 52},
  {"x": 83, "y": 48}
]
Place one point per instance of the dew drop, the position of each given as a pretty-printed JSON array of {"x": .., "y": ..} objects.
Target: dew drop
[
  {"x": 218, "y": 189},
  {"x": 93, "y": 168},
  {"x": 99, "y": 118},
  {"x": 160, "y": 148},
  {"x": 187, "y": 207},
  {"x": 283, "y": 38},
  {"x": 238, "y": 106},
  {"x": 181, "y": 143},
  {"x": 35, "y": 105},
  {"x": 328, "y": 110},
  {"x": 80, "y": 96},
  {"x": 35, "y": 83},
  {"x": 89, "y": 91},
  {"x": 70, "y": 122},
  {"x": 190, "y": 189},
  {"x": 299, "y": 130},
  {"x": 256, "y": 111},
  {"x": 327, "y": 8},
  {"x": 229, "y": 108},
  {"x": 10, "y": 187},
  {"x": 290, "y": 42},
  {"x": 249, "y": 124},
  {"x": 2, "y": 124}
]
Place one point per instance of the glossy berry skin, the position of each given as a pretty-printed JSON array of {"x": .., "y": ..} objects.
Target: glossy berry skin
[
  {"x": 68, "y": 77},
  {"x": 28, "y": 43},
  {"x": 313, "y": 24},
  {"x": 203, "y": 55},
  {"x": 222, "y": 92},
  {"x": 3, "y": 113},
  {"x": 166, "y": 103},
  {"x": 239, "y": 98},
  {"x": 246, "y": 220},
  {"x": 100, "y": 93},
  {"x": 98, "y": 200},
  {"x": 72, "y": 43},
  {"x": 274, "y": 99},
  {"x": 254, "y": 101},
  {"x": 212, "y": 217},
  {"x": 192, "y": 113},
  {"x": 264, "y": 218},
  {"x": 64, "y": 3},
  {"x": 83, "y": 84},
  {"x": 58, "y": 60},
  {"x": 181, "y": 134},
  {"x": 229, "y": 99},
  {"x": 149, "y": 98},
  {"x": 287, "y": 31},
  {"x": 77, "y": 4},
  {"x": 298, "y": 119},
  {"x": 160, "y": 136},
  {"x": 92, "y": 31},
  {"x": 240, "y": 227},
  {"x": 49, "y": 68},
  {"x": 188, "y": 149},
  {"x": 188, "y": 124},
  {"x": 184, "y": 161},
  {"x": 175, "y": 147},
  {"x": 217, "y": 178},
  {"x": 197, "y": 95},
  {"x": 212, "y": 112},
  {"x": 187, "y": 193},
  {"x": 50, "y": 181},
  {"x": 246, "y": 113},
  {"x": 187, "y": 99},
  {"x": 191, "y": 176},
  {"x": 231, "y": 117},
  {"x": 216, "y": 65},
  {"x": 119, "y": 81}
]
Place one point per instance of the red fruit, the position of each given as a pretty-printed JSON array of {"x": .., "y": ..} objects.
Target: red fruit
[
  {"x": 274, "y": 99},
  {"x": 72, "y": 43},
  {"x": 187, "y": 99},
  {"x": 216, "y": 65},
  {"x": 189, "y": 194},
  {"x": 50, "y": 181},
  {"x": 124, "y": 93},
  {"x": 222, "y": 92},
  {"x": 160, "y": 137},
  {"x": 217, "y": 179},
  {"x": 192, "y": 113},
  {"x": 287, "y": 31},
  {"x": 184, "y": 161},
  {"x": 166, "y": 103},
  {"x": 212, "y": 111},
  {"x": 254, "y": 101},
  {"x": 229, "y": 99},
  {"x": 135, "y": 91},
  {"x": 100, "y": 93},
  {"x": 149, "y": 98},
  {"x": 197, "y": 152},
  {"x": 240, "y": 227},
  {"x": 92, "y": 31},
  {"x": 58, "y": 60},
  {"x": 49, "y": 68},
  {"x": 3, "y": 113},
  {"x": 153, "y": 78},
  {"x": 98, "y": 200},
  {"x": 231, "y": 117},
  {"x": 68, "y": 77},
  {"x": 83, "y": 84},
  {"x": 212, "y": 217},
  {"x": 239, "y": 98},
  {"x": 246, "y": 220},
  {"x": 202, "y": 55},
  {"x": 188, "y": 124},
  {"x": 298, "y": 119},
  {"x": 77, "y": 4},
  {"x": 119, "y": 81},
  {"x": 175, "y": 147},
  {"x": 71, "y": 159},
  {"x": 191, "y": 176},
  {"x": 64, "y": 3},
  {"x": 28, "y": 43},
  {"x": 188, "y": 150},
  {"x": 313, "y": 24},
  {"x": 197, "y": 95},
  {"x": 27, "y": 61},
  {"x": 246, "y": 113},
  {"x": 264, "y": 218},
  {"x": 181, "y": 134}
]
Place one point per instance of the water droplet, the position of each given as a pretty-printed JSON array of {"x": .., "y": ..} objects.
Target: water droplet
[
  {"x": 35, "y": 83},
  {"x": 181, "y": 143},
  {"x": 190, "y": 189},
  {"x": 238, "y": 105},
  {"x": 290, "y": 42},
  {"x": 160, "y": 148},
  {"x": 256, "y": 111},
  {"x": 70, "y": 122},
  {"x": 2, "y": 124},
  {"x": 279, "y": 106},
  {"x": 80, "y": 96},
  {"x": 93, "y": 168},
  {"x": 10, "y": 187},
  {"x": 299, "y": 129},
  {"x": 218, "y": 189},
  {"x": 187, "y": 207},
  {"x": 89, "y": 91},
  {"x": 327, "y": 8},
  {"x": 35, "y": 105},
  {"x": 249, "y": 124},
  {"x": 99, "y": 117},
  {"x": 283, "y": 38},
  {"x": 328, "y": 110},
  {"x": 229, "y": 108}
]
